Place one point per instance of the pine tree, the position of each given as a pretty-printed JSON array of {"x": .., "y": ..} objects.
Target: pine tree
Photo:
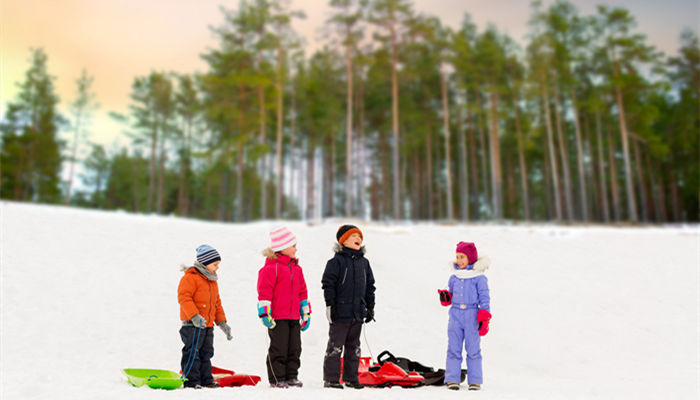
[{"x": 30, "y": 159}]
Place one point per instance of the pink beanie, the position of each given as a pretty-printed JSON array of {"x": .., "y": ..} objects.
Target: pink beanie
[
  {"x": 469, "y": 249},
  {"x": 282, "y": 238}
]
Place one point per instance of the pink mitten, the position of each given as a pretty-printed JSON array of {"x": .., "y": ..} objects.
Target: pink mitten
[
  {"x": 483, "y": 317},
  {"x": 445, "y": 297}
]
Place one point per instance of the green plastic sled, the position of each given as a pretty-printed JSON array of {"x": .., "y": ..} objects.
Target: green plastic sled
[{"x": 154, "y": 378}]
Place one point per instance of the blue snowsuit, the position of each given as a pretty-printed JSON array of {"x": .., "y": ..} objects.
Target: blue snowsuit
[{"x": 469, "y": 295}]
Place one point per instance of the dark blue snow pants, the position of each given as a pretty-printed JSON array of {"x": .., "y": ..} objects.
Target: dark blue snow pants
[{"x": 200, "y": 367}]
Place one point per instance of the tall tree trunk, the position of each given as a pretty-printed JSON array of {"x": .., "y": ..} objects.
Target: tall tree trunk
[
  {"x": 495, "y": 147},
  {"x": 657, "y": 190},
  {"x": 362, "y": 154},
  {"x": 563, "y": 152},
  {"x": 310, "y": 181},
  {"x": 439, "y": 199},
  {"x": 262, "y": 167},
  {"x": 386, "y": 200},
  {"x": 294, "y": 163},
  {"x": 161, "y": 172},
  {"x": 375, "y": 203},
  {"x": 18, "y": 175},
  {"x": 629, "y": 183},
  {"x": 74, "y": 153},
  {"x": 395, "y": 122},
  {"x": 348, "y": 127},
  {"x": 448, "y": 160},
  {"x": 429, "y": 164},
  {"x": 552, "y": 151},
  {"x": 522, "y": 161},
  {"x": 580, "y": 160},
  {"x": 184, "y": 167},
  {"x": 483, "y": 150},
  {"x": 152, "y": 168},
  {"x": 601, "y": 169},
  {"x": 474, "y": 168},
  {"x": 549, "y": 193},
  {"x": 675, "y": 197},
  {"x": 594, "y": 212},
  {"x": 239, "y": 183},
  {"x": 239, "y": 171},
  {"x": 223, "y": 194},
  {"x": 415, "y": 186},
  {"x": 280, "y": 114},
  {"x": 640, "y": 181},
  {"x": 613, "y": 178},
  {"x": 463, "y": 166}
]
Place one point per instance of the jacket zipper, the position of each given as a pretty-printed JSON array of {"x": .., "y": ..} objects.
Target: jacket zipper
[
  {"x": 291, "y": 283},
  {"x": 344, "y": 276},
  {"x": 354, "y": 283}
]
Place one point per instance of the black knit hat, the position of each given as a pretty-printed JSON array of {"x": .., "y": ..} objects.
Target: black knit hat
[{"x": 345, "y": 231}]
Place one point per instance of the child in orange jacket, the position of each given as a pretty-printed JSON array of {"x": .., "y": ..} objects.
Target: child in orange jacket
[{"x": 200, "y": 308}]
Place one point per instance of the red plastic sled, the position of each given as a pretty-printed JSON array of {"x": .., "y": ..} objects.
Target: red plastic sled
[
  {"x": 386, "y": 375},
  {"x": 225, "y": 377}
]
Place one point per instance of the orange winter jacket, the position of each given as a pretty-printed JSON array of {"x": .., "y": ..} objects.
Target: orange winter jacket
[{"x": 198, "y": 295}]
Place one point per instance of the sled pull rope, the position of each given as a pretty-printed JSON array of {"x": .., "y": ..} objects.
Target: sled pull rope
[
  {"x": 364, "y": 333},
  {"x": 191, "y": 357}
]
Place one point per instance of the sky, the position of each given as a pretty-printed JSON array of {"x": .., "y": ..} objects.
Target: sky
[{"x": 118, "y": 40}]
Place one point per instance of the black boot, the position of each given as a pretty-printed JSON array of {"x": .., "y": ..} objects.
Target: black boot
[
  {"x": 334, "y": 385},
  {"x": 355, "y": 385}
]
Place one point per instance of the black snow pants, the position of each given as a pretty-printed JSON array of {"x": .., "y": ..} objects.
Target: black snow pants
[
  {"x": 199, "y": 366},
  {"x": 343, "y": 334},
  {"x": 284, "y": 352}
]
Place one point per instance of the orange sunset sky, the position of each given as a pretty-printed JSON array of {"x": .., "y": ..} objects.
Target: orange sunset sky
[{"x": 117, "y": 40}]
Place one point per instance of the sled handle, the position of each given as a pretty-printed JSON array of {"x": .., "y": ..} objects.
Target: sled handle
[{"x": 390, "y": 357}]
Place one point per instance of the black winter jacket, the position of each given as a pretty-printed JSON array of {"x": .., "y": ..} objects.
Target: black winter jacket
[{"x": 348, "y": 283}]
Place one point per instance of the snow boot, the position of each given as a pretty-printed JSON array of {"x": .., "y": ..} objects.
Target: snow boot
[
  {"x": 355, "y": 385},
  {"x": 474, "y": 386},
  {"x": 295, "y": 383},
  {"x": 334, "y": 385},
  {"x": 280, "y": 385},
  {"x": 453, "y": 385},
  {"x": 212, "y": 385}
]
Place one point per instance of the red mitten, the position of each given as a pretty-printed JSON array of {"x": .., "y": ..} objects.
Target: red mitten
[
  {"x": 483, "y": 317},
  {"x": 445, "y": 297}
]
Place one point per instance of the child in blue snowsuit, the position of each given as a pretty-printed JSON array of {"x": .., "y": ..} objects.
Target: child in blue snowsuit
[{"x": 470, "y": 313}]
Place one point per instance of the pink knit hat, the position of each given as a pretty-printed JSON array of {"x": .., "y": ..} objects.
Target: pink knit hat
[
  {"x": 282, "y": 238},
  {"x": 469, "y": 249}
]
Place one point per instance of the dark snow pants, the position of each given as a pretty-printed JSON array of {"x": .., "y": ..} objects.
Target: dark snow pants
[
  {"x": 343, "y": 334},
  {"x": 284, "y": 352},
  {"x": 200, "y": 367}
]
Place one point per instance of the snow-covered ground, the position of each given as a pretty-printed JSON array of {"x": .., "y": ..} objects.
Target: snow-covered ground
[{"x": 579, "y": 312}]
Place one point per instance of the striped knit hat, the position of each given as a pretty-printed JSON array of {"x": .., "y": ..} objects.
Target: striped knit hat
[
  {"x": 281, "y": 238},
  {"x": 207, "y": 255}
]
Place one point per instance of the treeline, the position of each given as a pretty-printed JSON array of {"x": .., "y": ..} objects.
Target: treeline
[{"x": 398, "y": 117}]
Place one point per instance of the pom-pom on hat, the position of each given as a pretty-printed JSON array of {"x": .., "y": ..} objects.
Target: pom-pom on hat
[
  {"x": 345, "y": 231},
  {"x": 281, "y": 238},
  {"x": 468, "y": 249},
  {"x": 207, "y": 255}
]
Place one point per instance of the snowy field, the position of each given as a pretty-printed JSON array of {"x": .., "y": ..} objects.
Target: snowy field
[{"x": 578, "y": 312}]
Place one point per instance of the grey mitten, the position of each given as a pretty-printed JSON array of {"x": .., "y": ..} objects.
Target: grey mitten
[
  {"x": 199, "y": 321},
  {"x": 227, "y": 329}
]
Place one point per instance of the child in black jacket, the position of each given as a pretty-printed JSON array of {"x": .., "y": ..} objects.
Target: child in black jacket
[{"x": 348, "y": 289}]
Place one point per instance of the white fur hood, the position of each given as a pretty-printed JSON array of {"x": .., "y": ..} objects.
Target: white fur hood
[{"x": 480, "y": 266}]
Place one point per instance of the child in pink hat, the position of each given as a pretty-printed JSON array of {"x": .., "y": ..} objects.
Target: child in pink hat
[
  {"x": 283, "y": 307},
  {"x": 470, "y": 312}
]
